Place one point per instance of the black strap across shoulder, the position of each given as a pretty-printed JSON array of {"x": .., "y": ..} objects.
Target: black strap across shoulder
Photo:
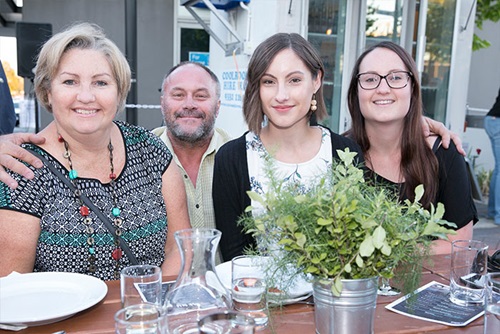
[
  {"x": 436, "y": 144},
  {"x": 109, "y": 225}
]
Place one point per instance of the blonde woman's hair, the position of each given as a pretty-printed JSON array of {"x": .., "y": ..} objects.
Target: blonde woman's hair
[{"x": 85, "y": 36}]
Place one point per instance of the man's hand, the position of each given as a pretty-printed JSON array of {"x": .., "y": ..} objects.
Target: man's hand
[
  {"x": 10, "y": 149},
  {"x": 431, "y": 126}
]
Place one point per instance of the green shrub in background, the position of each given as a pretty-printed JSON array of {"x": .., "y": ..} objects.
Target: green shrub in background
[{"x": 483, "y": 178}]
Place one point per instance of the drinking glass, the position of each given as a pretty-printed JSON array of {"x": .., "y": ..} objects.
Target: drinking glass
[
  {"x": 468, "y": 267},
  {"x": 226, "y": 323},
  {"x": 248, "y": 288},
  {"x": 140, "y": 284},
  {"x": 385, "y": 288},
  {"x": 492, "y": 304},
  {"x": 140, "y": 319}
]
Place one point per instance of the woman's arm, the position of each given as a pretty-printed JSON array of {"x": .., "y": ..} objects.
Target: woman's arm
[
  {"x": 19, "y": 233},
  {"x": 174, "y": 195},
  {"x": 444, "y": 246},
  {"x": 456, "y": 195}
]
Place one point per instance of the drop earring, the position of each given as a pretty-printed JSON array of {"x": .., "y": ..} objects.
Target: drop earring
[{"x": 314, "y": 103}]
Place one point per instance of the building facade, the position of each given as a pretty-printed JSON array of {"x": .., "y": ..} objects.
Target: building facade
[{"x": 156, "y": 34}]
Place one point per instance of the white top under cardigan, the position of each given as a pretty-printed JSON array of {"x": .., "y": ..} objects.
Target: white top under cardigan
[{"x": 299, "y": 173}]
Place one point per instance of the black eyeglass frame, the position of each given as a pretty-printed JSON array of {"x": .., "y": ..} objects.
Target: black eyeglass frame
[{"x": 409, "y": 74}]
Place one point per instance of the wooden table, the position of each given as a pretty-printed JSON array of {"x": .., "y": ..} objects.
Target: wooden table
[{"x": 298, "y": 318}]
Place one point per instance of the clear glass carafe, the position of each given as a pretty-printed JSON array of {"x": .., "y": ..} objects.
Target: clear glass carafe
[{"x": 197, "y": 290}]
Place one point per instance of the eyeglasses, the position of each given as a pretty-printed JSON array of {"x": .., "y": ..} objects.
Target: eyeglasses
[{"x": 396, "y": 80}]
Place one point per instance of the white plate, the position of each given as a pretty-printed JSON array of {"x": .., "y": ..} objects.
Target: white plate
[
  {"x": 42, "y": 298},
  {"x": 300, "y": 290}
]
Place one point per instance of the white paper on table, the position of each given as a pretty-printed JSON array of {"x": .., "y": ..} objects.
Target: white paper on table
[{"x": 432, "y": 303}]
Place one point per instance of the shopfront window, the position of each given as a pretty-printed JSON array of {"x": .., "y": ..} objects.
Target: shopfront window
[
  {"x": 437, "y": 57},
  {"x": 193, "y": 40},
  {"x": 398, "y": 21},
  {"x": 383, "y": 21},
  {"x": 326, "y": 32}
]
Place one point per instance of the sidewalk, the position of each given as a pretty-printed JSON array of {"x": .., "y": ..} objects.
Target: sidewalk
[{"x": 485, "y": 229}]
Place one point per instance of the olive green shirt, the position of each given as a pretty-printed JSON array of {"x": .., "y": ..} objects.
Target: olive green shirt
[{"x": 199, "y": 198}]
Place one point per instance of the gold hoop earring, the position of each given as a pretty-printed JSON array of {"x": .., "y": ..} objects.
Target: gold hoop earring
[{"x": 314, "y": 103}]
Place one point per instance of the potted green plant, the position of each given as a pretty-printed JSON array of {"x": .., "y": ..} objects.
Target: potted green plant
[{"x": 344, "y": 230}]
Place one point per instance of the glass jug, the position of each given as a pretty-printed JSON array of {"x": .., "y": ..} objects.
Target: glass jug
[{"x": 198, "y": 290}]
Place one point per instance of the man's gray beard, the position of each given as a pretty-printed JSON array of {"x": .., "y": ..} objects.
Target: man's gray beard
[{"x": 201, "y": 133}]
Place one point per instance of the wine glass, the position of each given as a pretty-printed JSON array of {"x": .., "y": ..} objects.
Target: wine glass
[{"x": 385, "y": 288}]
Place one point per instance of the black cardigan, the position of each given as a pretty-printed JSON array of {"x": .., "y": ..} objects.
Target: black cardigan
[{"x": 230, "y": 184}]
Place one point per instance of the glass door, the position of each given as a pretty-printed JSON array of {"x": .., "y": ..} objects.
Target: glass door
[
  {"x": 435, "y": 76},
  {"x": 384, "y": 20},
  {"x": 326, "y": 31},
  {"x": 425, "y": 29},
  {"x": 341, "y": 29}
]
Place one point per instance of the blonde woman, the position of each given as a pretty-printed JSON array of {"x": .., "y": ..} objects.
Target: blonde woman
[{"x": 125, "y": 171}]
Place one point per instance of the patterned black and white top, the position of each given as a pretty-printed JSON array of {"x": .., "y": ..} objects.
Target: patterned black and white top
[
  {"x": 296, "y": 174},
  {"x": 62, "y": 245}
]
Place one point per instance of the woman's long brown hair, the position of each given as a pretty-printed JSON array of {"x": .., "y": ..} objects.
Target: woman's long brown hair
[{"x": 419, "y": 164}]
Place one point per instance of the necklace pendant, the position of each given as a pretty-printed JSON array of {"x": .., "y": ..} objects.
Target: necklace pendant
[
  {"x": 116, "y": 212},
  {"x": 117, "y": 254},
  {"x": 73, "y": 174},
  {"x": 84, "y": 211}
]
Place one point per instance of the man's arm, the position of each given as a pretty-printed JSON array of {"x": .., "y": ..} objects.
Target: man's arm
[
  {"x": 10, "y": 150},
  {"x": 431, "y": 126}
]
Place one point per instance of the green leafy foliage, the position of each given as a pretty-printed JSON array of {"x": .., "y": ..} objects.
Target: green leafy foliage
[
  {"x": 486, "y": 10},
  {"x": 344, "y": 227}
]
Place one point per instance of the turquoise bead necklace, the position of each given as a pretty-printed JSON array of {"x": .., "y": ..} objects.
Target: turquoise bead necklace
[{"x": 85, "y": 212}]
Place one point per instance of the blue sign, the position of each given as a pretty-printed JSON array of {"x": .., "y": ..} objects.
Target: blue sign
[
  {"x": 199, "y": 57},
  {"x": 219, "y": 4}
]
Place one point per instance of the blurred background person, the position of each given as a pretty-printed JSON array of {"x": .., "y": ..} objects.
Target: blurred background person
[
  {"x": 7, "y": 112},
  {"x": 492, "y": 127}
]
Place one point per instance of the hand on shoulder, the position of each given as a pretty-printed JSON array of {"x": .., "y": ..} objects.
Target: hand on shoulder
[{"x": 10, "y": 151}]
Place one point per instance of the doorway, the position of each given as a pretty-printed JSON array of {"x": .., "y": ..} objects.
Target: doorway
[{"x": 340, "y": 30}]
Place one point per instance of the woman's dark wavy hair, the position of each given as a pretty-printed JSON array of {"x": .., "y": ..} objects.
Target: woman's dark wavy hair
[
  {"x": 259, "y": 63},
  {"x": 419, "y": 164}
]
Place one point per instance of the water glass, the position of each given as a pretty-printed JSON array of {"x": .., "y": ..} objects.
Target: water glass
[
  {"x": 492, "y": 304},
  {"x": 468, "y": 267},
  {"x": 248, "y": 288},
  {"x": 140, "y": 319},
  {"x": 226, "y": 323},
  {"x": 140, "y": 284}
]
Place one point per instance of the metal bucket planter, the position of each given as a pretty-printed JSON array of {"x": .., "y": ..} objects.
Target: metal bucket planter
[{"x": 352, "y": 312}]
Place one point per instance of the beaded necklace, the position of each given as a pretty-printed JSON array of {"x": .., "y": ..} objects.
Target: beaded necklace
[{"x": 85, "y": 212}]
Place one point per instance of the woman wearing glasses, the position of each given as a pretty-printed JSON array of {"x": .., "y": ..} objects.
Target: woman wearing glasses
[{"x": 386, "y": 109}]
